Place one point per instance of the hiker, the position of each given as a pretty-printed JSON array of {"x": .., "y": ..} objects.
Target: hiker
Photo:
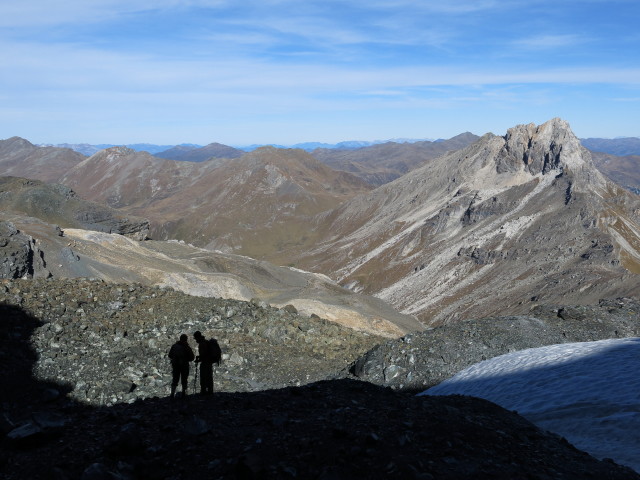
[
  {"x": 208, "y": 354},
  {"x": 180, "y": 354}
]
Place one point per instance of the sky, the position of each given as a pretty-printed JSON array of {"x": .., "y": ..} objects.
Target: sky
[
  {"x": 285, "y": 72},
  {"x": 588, "y": 393}
]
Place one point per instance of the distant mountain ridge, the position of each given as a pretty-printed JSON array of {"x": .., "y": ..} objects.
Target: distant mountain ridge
[
  {"x": 192, "y": 153},
  {"x": 614, "y": 146},
  {"x": 90, "y": 149},
  {"x": 381, "y": 163}
]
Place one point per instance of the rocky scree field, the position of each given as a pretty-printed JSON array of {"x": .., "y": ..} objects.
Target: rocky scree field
[
  {"x": 421, "y": 360},
  {"x": 110, "y": 341},
  {"x": 332, "y": 429}
]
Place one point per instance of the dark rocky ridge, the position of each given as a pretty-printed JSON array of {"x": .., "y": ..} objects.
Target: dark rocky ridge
[
  {"x": 59, "y": 204},
  {"x": 423, "y": 359},
  {"x": 19, "y": 255},
  {"x": 335, "y": 429}
]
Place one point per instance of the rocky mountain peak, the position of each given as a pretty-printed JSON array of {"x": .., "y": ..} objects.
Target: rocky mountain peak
[
  {"x": 18, "y": 143},
  {"x": 541, "y": 149},
  {"x": 114, "y": 153},
  {"x": 479, "y": 229}
]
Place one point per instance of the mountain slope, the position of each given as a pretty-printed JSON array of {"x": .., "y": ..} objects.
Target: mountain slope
[
  {"x": 379, "y": 164},
  {"x": 614, "y": 146},
  {"x": 60, "y": 205},
  {"x": 625, "y": 170},
  {"x": 200, "y": 154},
  {"x": 20, "y": 158},
  {"x": 122, "y": 177},
  {"x": 257, "y": 205},
  {"x": 492, "y": 228},
  {"x": 70, "y": 253}
]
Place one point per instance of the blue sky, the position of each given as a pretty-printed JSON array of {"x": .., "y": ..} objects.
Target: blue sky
[{"x": 280, "y": 71}]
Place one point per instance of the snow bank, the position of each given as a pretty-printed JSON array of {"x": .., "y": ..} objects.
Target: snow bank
[{"x": 587, "y": 392}]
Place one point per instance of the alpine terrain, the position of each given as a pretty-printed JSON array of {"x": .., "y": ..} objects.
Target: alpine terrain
[
  {"x": 259, "y": 205},
  {"x": 334, "y": 302},
  {"x": 500, "y": 226}
]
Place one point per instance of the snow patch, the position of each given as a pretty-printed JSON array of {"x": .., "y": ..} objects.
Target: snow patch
[{"x": 587, "y": 392}]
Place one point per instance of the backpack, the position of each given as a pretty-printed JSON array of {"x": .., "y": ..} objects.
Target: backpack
[{"x": 215, "y": 350}]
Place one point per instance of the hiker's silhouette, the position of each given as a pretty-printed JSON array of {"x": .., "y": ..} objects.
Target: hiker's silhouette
[{"x": 180, "y": 354}]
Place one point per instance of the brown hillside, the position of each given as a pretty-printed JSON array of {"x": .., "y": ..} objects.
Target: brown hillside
[
  {"x": 19, "y": 158},
  {"x": 259, "y": 205}
]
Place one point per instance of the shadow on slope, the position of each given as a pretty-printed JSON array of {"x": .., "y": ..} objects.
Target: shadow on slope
[
  {"x": 327, "y": 430},
  {"x": 587, "y": 392}
]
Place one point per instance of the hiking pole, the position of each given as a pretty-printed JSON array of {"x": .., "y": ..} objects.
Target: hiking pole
[{"x": 195, "y": 379}]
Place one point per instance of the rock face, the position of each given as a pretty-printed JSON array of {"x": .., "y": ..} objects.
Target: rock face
[
  {"x": 495, "y": 228},
  {"x": 540, "y": 149},
  {"x": 19, "y": 255},
  {"x": 423, "y": 359}
]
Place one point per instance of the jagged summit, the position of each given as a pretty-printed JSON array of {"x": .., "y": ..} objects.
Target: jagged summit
[
  {"x": 540, "y": 149},
  {"x": 489, "y": 229},
  {"x": 525, "y": 151}
]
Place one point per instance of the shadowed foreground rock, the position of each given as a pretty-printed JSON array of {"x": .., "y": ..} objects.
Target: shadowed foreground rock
[
  {"x": 332, "y": 429},
  {"x": 342, "y": 429}
]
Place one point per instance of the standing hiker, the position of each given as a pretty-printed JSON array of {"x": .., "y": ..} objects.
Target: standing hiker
[
  {"x": 180, "y": 354},
  {"x": 208, "y": 354}
]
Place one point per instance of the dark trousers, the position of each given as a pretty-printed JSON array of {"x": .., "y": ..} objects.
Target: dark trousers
[
  {"x": 206, "y": 377},
  {"x": 180, "y": 374}
]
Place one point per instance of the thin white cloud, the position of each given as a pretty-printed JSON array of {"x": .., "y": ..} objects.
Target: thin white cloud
[
  {"x": 57, "y": 67},
  {"x": 550, "y": 41},
  {"x": 34, "y": 13}
]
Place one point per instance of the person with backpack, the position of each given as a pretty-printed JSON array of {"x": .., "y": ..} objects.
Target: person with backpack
[
  {"x": 208, "y": 353},
  {"x": 180, "y": 355}
]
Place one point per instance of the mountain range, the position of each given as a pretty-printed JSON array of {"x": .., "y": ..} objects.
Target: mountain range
[
  {"x": 616, "y": 146},
  {"x": 499, "y": 225},
  {"x": 322, "y": 273}
]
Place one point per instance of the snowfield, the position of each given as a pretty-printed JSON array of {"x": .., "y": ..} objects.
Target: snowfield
[{"x": 588, "y": 393}]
